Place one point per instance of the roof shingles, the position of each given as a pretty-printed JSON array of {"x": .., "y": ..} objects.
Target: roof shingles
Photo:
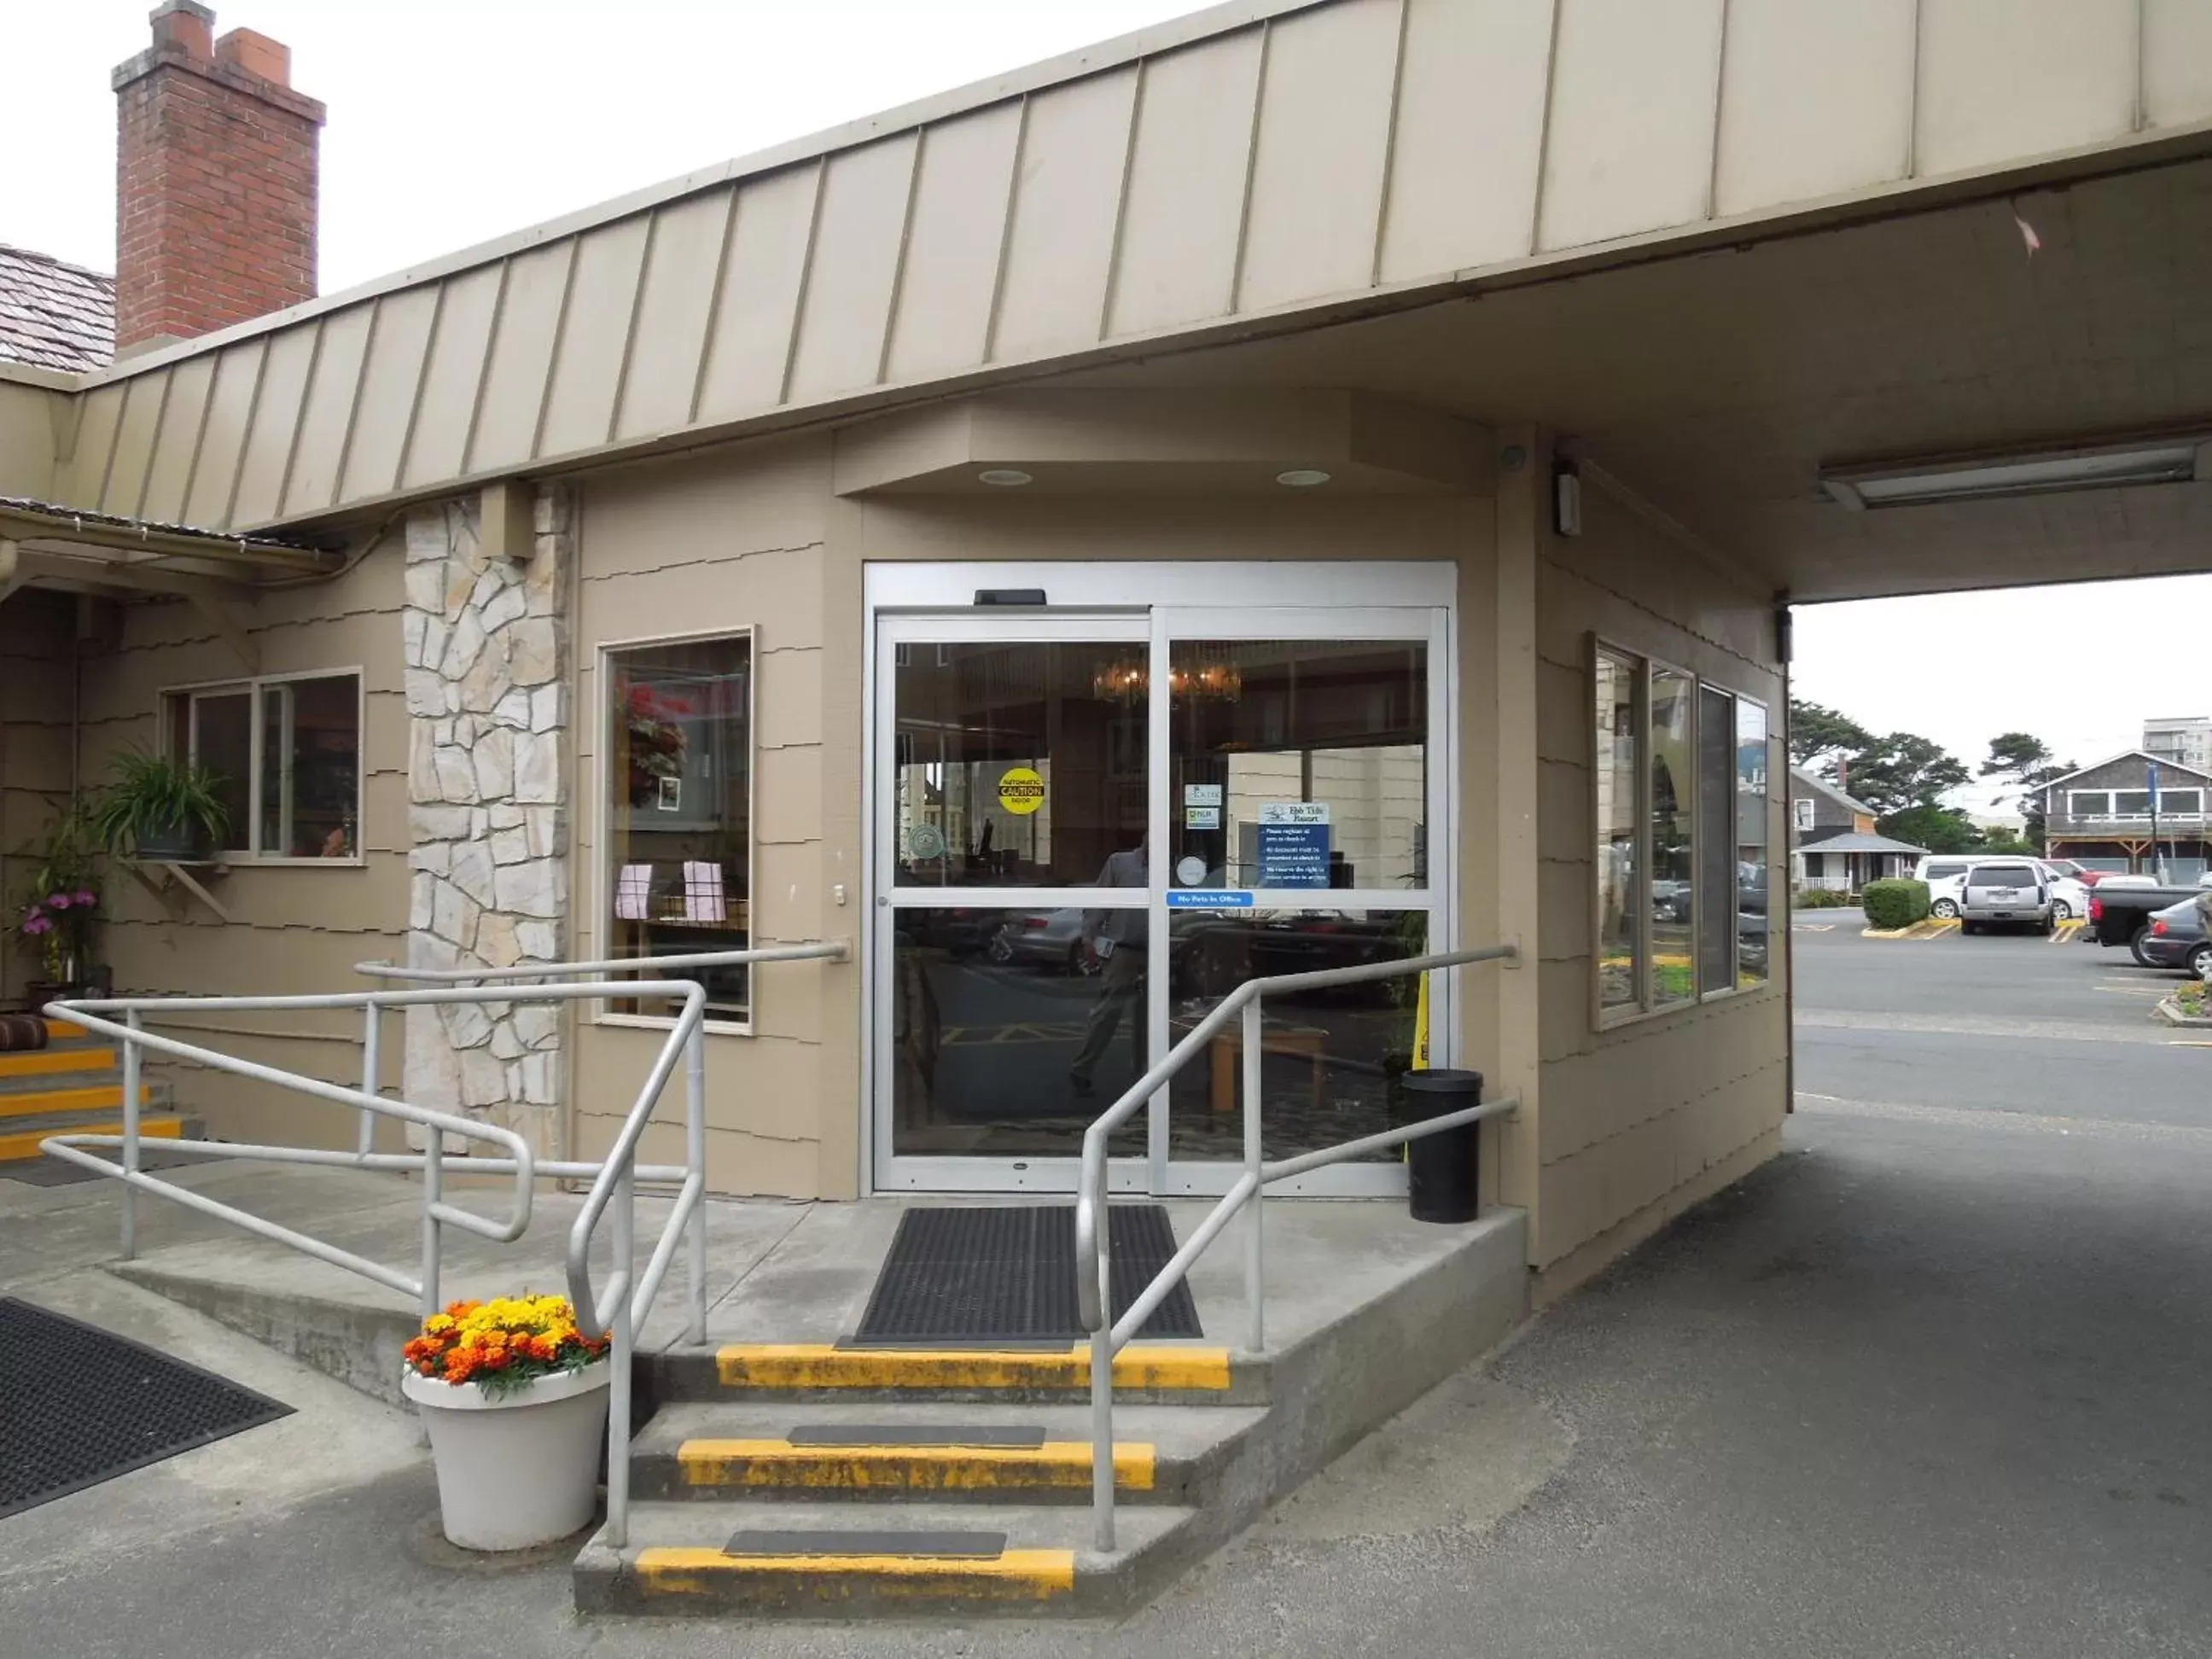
[{"x": 54, "y": 315}]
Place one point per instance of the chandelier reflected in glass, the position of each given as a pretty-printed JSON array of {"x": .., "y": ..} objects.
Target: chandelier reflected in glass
[{"x": 1126, "y": 679}]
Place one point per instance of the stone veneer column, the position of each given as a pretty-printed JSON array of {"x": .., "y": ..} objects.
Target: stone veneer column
[{"x": 487, "y": 643}]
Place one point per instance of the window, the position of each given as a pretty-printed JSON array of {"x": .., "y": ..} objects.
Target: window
[
  {"x": 1943, "y": 872},
  {"x": 2182, "y": 803},
  {"x": 2089, "y": 803},
  {"x": 1802, "y": 807},
  {"x": 2131, "y": 803},
  {"x": 1816, "y": 865},
  {"x": 2001, "y": 875},
  {"x": 679, "y": 816},
  {"x": 1751, "y": 841},
  {"x": 1681, "y": 840},
  {"x": 286, "y": 753},
  {"x": 1619, "y": 796}
]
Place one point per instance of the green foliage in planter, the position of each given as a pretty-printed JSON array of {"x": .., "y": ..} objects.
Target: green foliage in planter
[
  {"x": 149, "y": 797},
  {"x": 1895, "y": 903},
  {"x": 1821, "y": 898}
]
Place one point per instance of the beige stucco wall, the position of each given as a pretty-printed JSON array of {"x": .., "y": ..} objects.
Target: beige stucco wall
[
  {"x": 296, "y": 928},
  {"x": 754, "y": 537},
  {"x": 1640, "y": 1121}
]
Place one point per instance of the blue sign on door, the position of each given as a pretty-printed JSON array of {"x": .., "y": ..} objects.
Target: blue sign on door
[{"x": 1293, "y": 854}]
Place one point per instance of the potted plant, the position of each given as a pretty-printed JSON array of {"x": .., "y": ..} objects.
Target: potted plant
[
  {"x": 157, "y": 808},
  {"x": 59, "y": 905},
  {"x": 514, "y": 1398}
]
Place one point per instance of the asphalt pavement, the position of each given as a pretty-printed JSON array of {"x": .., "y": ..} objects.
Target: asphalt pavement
[{"x": 1931, "y": 1383}]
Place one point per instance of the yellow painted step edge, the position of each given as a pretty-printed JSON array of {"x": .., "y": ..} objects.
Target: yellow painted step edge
[
  {"x": 822, "y": 1365},
  {"x": 1017, "y": 1575},
  {"x": 62, "y": 1030},
  {"x": 38, "y": 1062},
  {"x": 24, "y": 1143},
  {"x": 99, "y": 1097},
  {"x": 778, "y": 1464}
]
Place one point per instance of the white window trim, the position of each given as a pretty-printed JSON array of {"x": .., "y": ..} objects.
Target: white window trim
[
  {"x": 1803, "y": 810},
  {"x": 1603, "y": 1018},
  {"x": 601, "y": 934},
  {"x": 250, "y": 686}
]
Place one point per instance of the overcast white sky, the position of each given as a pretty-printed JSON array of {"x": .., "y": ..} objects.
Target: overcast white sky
[{"x": 452, "y": 121}]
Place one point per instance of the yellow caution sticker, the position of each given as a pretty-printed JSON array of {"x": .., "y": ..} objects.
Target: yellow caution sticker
[{"x": 1021, "y": 791}]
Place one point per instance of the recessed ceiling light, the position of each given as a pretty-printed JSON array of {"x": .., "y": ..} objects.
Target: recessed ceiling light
[
  {"x": 1005, "y": 477},
  {"x": 1302, "y": 477}
]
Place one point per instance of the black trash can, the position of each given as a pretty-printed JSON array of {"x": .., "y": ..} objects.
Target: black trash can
[{"x": 1443, "y": 1170}]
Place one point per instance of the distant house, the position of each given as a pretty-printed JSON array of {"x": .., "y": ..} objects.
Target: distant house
[
  {"x": 1833, "y": 840},
  {"x": 2102, "y": 816}
]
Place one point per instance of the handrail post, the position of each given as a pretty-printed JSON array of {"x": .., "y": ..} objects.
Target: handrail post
[
  {"x": 133, "y": 1068},
  {"x": 619, "y": 1381},
  {"x": 1102, "y": 1415},
  {"x": 1254, "y": 1298},
  {"x": 695, "y": 1129},
  {"x": 434, "y": 1190},
  {"x": 371, "y": 1077}
]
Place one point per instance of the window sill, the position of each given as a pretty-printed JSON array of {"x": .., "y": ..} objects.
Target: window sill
[
  {"x": 1616, "y": 1019},
  {"x": 667, "y": 1023},
  {"x": 264, "y": 862}
]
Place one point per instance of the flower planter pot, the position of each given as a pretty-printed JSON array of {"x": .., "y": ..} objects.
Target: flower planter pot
[
  {"x": 519, "y": 1469},
  {"x": 172, "y": 843}
]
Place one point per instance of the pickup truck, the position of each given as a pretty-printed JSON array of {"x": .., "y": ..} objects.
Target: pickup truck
[{"x": 2121, "y": 915}]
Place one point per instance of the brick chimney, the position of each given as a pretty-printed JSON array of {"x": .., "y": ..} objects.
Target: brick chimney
[{"x": 214, "y": 199}]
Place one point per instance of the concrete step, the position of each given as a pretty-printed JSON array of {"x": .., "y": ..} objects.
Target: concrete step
[
  {"x": 20, "y": 1136},
  {"x": 69, "y": 1095},
  {"x": 866, "y": 1564},
  {"x": 43, "y": 1068},
  {"x": 949, "y": 1452},
  {"x": 1153, "y": 1372}
]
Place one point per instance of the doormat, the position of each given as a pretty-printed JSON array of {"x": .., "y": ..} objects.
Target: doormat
[
  {"x": 999, "y": 1274},
  {"x": 78, "y": 1407}
]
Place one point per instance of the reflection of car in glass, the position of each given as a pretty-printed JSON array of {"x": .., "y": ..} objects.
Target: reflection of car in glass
[
  {"x": 957, "y": 932},
  {"x": 1670, "y": 901},
  {"x": 1049, "y": 938}
]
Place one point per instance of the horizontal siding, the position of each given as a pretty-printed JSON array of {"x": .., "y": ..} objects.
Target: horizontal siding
[{"x": 1297, "y": 160}]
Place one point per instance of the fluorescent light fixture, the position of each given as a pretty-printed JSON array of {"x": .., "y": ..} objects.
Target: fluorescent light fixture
[
  {"x": 1921, "y": 484},
  {"x": 1302, "y": 477},
  {"x": 1005, "y": 478}
]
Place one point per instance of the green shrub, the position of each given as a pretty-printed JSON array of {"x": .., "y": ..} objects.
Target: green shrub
[
  {"x": 1821, "y": 898},
  {"x": 1895, "y": 903}
]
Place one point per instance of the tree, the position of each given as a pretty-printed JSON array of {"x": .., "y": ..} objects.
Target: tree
[
  {"x": 1817, "y": 732},
  {"x": 2025, "y": 761},
  {"x": 1901, "y": 771},
  {"x": 1938, "y": 828}
]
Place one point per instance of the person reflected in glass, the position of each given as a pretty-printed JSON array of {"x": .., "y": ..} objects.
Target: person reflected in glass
[{"x": 1115, "y": 939}]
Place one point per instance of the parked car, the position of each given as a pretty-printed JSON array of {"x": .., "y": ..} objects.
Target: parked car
[
  {"x": 2069, "y": 895},
  {"x": 1044, "y": 939},
  {"x": 2073, "y": 868},
  {"x": 2005, "y": 891},
  {"x": 2175, "y": 938},
  {"x": 2121, "y": 908},
  {"x": 1945, "y": 875}
]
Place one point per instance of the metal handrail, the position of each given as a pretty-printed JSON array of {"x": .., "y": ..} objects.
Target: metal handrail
[
  {"x": 620, "y": 1309},
  {"x": 1093, "y": 1242}
]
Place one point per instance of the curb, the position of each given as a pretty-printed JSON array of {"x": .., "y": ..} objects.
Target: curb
[{"x": 2169, "y": 1010}]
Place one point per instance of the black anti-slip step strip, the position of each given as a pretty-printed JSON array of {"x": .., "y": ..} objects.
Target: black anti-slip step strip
[
  {"x": 921, "y": 1546},
  {"x": 1018, "y": 1436}
]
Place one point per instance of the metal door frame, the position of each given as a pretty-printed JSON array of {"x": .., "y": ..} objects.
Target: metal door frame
[{"x": 909, "y": 603}]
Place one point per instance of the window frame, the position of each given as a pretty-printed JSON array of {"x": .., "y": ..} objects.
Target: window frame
[
  {"x": 2075, "y": 797},
  {"x": 250, "y": 687},
  {"x": 1804, "y": 811},
  {"x": 2196, "y": 809},
  {"x": 603, "y": 881},
  {"x": 1645, "y": 1007}
]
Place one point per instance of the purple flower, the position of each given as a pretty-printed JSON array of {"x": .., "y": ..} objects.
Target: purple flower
[
  {"x": 59, "y": 901},
  {"x": 87, "y": 900},
  {"x": 38, "y": 924}
]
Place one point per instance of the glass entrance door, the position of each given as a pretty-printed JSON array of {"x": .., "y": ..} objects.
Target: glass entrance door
[
  {"x": 1012, "y": 881},
  {"x": 1089, "y": 828}
]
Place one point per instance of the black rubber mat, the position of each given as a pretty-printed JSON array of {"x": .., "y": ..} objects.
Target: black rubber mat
[
  {"x": 964, "y": 1275},
  {"x": 79, "y": 1405},
  {"x": 906, "y": 1434},
  {"x": 933, "y": 1546}
]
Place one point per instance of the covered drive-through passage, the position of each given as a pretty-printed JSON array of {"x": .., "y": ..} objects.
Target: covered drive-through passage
[{"x": 1312, "y": 485}]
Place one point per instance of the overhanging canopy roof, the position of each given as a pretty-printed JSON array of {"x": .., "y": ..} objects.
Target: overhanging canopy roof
[
  {"x": 1858, "y": 843},
  {"x": 1276, "y": 167}
]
